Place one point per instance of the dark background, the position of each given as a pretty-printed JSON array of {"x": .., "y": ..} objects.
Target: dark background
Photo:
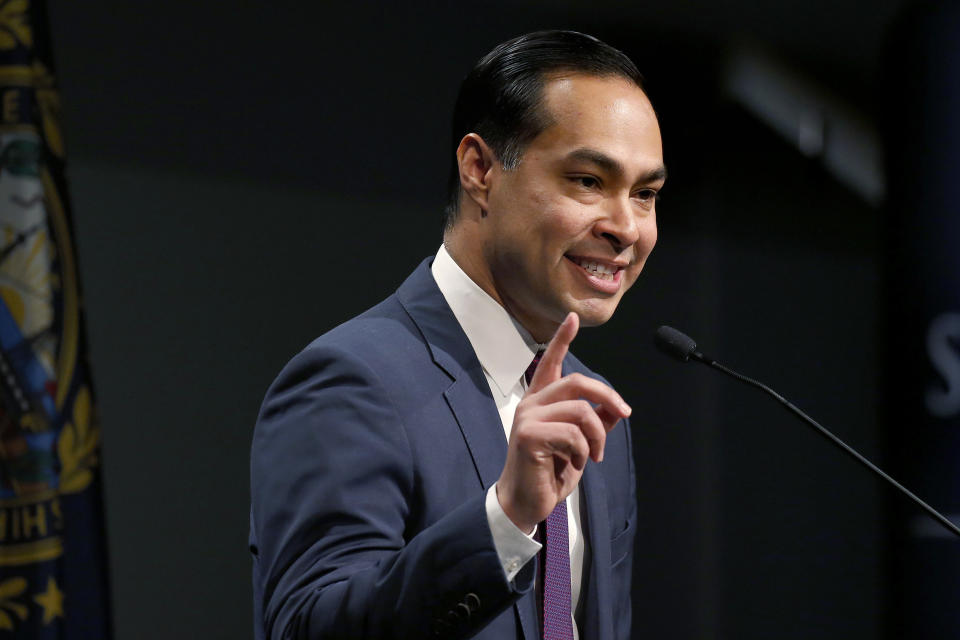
[{"x": 247, "y": 175}]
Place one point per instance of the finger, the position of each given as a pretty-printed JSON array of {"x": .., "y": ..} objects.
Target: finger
[
  {"x": 608, "y": 418},
  {"x": 551, "y": 362},
  {"x": 566, "y": 441},
  {"x": 581, "y": 414},
  {"x": 577, "y": 385}
]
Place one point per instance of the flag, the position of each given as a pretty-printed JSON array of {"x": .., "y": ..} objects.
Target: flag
[{"x": 53, "y": 578}]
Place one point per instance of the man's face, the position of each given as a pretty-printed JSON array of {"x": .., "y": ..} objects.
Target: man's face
[{"x": 570, "y": 228}]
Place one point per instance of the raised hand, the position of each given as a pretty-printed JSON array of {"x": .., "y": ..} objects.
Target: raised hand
[{"x": 555, "y": 429}]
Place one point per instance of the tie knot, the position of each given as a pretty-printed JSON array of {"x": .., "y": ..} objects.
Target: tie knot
[{"x": 528, "y": 374}]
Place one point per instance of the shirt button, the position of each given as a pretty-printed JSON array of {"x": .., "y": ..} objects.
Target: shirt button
[{"x": 513, "y": 565}]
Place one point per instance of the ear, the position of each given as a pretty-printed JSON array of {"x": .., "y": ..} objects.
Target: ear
[{"x": 476, "y": 162}]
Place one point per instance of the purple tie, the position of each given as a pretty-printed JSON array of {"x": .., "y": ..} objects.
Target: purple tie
[
  {"x": 528, "y": 374},
  {"x": 555, "y": 564},
  {"x": 557, "y": 624}
]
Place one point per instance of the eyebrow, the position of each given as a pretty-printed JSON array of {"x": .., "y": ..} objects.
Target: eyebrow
[{"x": 611, "y": 165}]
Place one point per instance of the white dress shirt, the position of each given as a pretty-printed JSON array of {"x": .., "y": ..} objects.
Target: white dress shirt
[{"x": 505, "y": 349}]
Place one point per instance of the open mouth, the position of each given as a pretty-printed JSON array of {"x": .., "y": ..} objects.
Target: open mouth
[{"x": 594, "y": 268}]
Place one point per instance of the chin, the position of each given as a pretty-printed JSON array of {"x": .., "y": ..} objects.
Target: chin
[
  {"x": 587, "y": 321},
  {"x": 591, "y": 316}
]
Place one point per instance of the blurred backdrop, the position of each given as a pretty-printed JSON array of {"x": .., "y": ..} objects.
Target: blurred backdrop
[{"x": 245, "y": 176}]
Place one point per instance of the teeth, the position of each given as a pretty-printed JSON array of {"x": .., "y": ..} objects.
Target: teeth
[{"x": 600, "y": 270}]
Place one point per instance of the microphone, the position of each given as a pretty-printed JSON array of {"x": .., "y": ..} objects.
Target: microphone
[
  {"x": 682, "y": 347},
  {"x": 677, "y": 344}
]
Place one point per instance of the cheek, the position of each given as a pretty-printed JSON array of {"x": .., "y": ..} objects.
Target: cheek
[
  {"x": 643, "y": 247},
  {"x": 544, "y": 210},
  {"x": 528, "y": 211},
  {"x": 566, "y": 220},
  {"x": 549, "y": 223},
  {"x": 647, "y": 240}
]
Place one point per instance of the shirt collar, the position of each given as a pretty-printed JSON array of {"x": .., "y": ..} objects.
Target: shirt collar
[{"x": 504, "y": 348}]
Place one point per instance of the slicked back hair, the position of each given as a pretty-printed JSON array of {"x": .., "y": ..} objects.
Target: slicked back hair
[{"x": 501, "y": 98}]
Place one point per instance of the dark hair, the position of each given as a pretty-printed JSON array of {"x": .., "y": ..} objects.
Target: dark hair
[{"x": 500, "y": 99}]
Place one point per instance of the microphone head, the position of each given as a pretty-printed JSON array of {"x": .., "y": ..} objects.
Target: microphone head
[{"x": 674, "y": 343}]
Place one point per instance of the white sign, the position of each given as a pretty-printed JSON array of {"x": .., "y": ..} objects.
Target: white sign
[{"x": 943, "y": 348}]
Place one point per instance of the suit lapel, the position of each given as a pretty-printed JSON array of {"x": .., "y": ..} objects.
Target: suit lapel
[
  {"x": 468, "y": 395},
  {"x": 595, "y": 582},
  {"x": 597, "y": 610},
  {"x": 481, "y": 428}
]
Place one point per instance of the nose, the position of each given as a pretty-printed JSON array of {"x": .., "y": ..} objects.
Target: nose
[{"x": 620, "y": 225}]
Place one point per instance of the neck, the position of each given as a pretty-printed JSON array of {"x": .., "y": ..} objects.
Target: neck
[{"x": 467, "y": 251}]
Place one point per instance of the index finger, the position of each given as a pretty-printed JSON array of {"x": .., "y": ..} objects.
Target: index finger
[{"x": 550, "y": 367}]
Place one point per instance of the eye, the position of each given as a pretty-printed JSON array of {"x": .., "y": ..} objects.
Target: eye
[
  {"x": 647, "y": 196},
  {"x": 586, "y": 182}
]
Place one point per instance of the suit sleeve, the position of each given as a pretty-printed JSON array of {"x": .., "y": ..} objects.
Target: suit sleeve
[{"x": 332, "y": 478}]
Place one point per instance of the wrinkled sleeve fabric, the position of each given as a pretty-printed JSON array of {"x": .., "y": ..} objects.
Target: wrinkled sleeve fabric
[{"x": 332, "y": 480}]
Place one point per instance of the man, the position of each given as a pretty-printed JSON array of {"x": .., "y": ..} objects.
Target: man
[{"x": 386, "y": 500}]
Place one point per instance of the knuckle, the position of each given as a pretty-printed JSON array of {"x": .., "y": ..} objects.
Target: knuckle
[
  {"x": 519, "y": 419},
  {"x": 591, "y": 420},
  {"x": 585, "y": 410},
  {"x": 526, "y": 412},
  {"x": 600, "y": 438},
  {"x": 520, "y": 436}
]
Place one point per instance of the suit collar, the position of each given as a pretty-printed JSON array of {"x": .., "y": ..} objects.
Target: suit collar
[
  {"x": 424, "y": 303},
  {"x": 504, "y": 348}
]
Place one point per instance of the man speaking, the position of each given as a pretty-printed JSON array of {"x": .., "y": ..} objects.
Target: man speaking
[{"x": 441, "y": 465}]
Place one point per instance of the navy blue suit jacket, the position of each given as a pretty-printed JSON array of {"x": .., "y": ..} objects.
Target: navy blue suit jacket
[{"x": 370, "y": 461}]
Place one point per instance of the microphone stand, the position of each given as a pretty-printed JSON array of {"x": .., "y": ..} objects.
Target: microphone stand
[{"x": 684, "y": 348}]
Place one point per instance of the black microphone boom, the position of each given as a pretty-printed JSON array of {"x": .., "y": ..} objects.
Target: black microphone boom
[{"x": 681, "y": 346}]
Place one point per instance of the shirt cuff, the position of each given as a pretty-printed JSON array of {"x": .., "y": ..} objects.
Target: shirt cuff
[{"x": 514, "y": 547}]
